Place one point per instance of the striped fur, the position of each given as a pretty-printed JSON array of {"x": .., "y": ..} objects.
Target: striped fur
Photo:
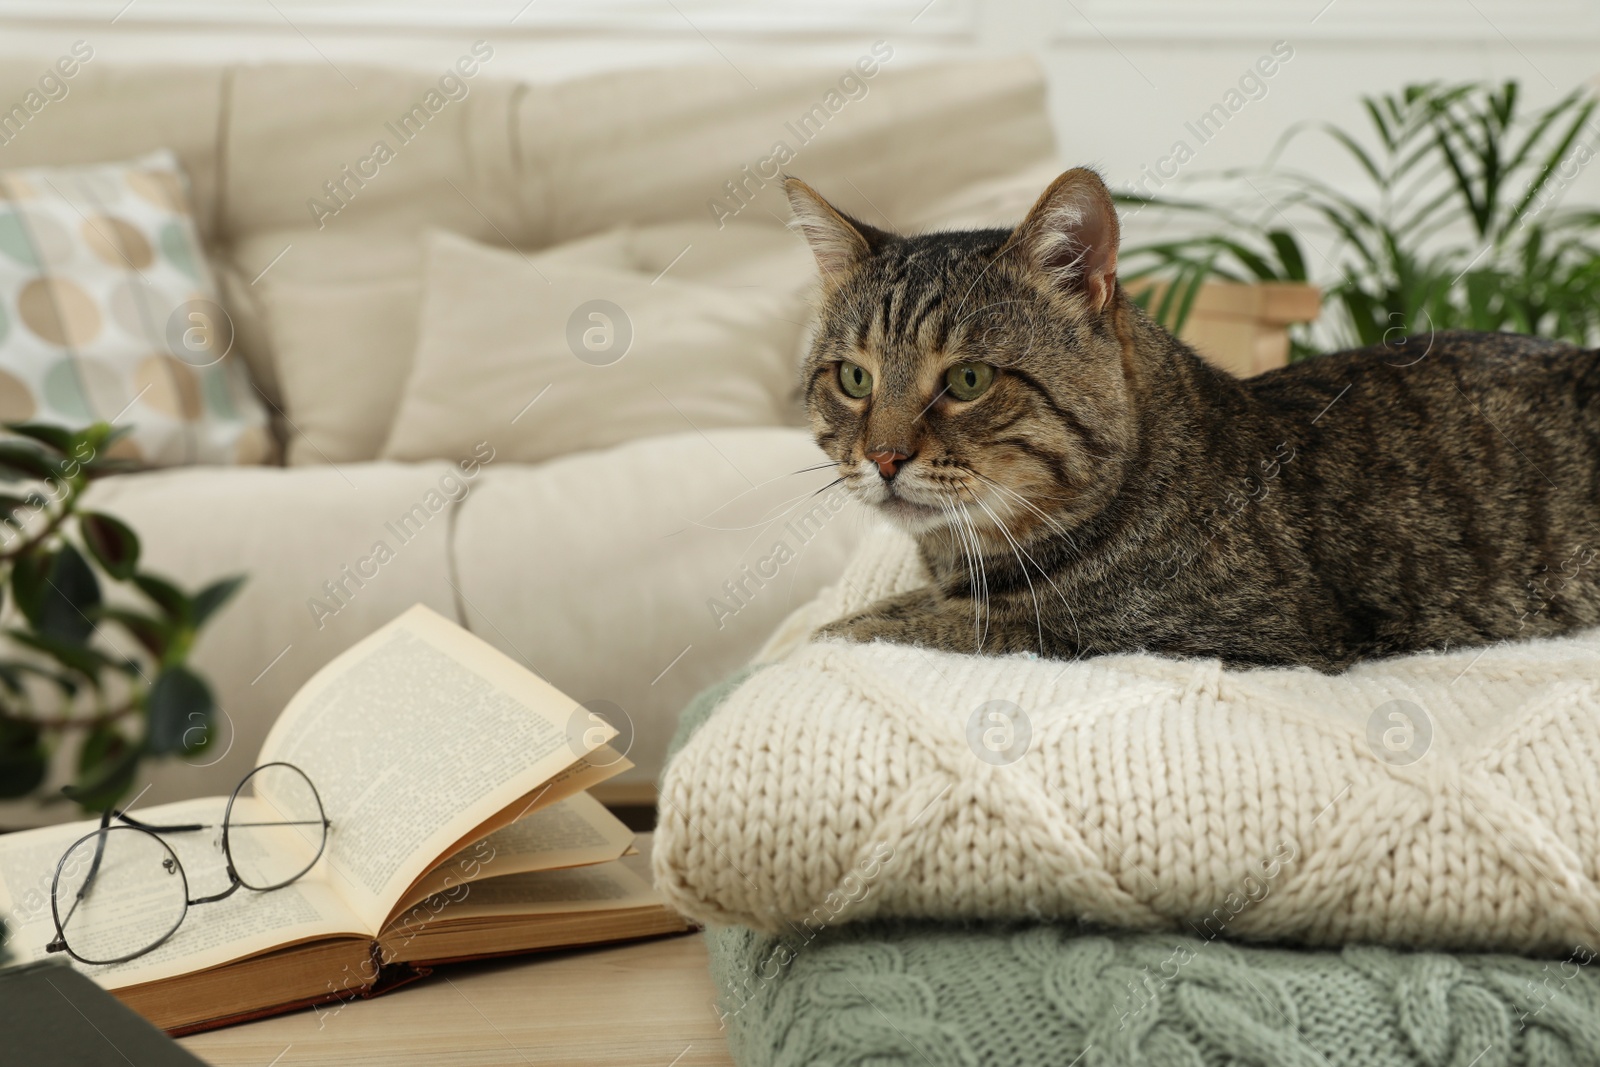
[{"x": 1113, "y": 492}]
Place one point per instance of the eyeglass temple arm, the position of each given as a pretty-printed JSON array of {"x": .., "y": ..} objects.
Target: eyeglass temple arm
[
  {"x": 99, "y": 854},
  {"x": 59, "y": 944},
  {"x": 100, "y": 843},
  {"x": 181, "y": 828}
]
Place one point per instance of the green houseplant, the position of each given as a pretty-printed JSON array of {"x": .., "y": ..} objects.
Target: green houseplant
[
  {"x": 73, "y": 666},
  {"x": 1459, "y": 225}
]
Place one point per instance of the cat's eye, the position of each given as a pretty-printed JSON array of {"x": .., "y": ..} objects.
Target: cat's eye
[
  {"x": 969, "y": 381},
  {"x": 854, "y": 380}
]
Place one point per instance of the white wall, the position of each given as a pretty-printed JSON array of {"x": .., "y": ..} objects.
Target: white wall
[{"x": 1125, "y": 75}]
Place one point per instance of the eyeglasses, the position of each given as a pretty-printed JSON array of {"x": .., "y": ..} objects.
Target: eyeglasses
[{"x": 120, "y": 891}]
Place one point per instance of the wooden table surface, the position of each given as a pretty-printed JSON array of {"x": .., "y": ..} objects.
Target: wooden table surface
[{"x": 647, "y": 1004}]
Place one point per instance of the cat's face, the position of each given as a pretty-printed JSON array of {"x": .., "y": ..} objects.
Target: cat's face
[{"x": 973, "y": 379}]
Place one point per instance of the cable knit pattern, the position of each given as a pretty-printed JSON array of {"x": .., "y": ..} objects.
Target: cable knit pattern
[
  {"x": 890, "y": 992},
  {"x": 841, "y": 782}
]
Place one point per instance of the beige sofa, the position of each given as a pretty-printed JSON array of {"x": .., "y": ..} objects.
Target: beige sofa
[{"x": 596, "y": 568}]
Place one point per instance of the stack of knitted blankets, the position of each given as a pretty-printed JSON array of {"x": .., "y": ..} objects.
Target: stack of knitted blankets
[{"x": 923, "y": 857}]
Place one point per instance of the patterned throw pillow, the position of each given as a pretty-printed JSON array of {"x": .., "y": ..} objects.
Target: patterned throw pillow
[{"x": 109, "y": 312}]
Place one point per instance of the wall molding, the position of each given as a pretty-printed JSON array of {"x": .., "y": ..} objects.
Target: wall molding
[
  {"x": 1376, "y": 23},
  {"x": 1412, "y": 24},
  {"x": 510, "y": 17}
]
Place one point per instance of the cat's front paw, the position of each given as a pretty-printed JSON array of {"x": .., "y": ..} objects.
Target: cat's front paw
[
  {"x": 906, "y": 618},
  {"x": 862, "y": 627}
]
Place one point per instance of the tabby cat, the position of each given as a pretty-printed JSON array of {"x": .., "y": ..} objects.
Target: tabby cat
[{"x": 1079, "y": 481}]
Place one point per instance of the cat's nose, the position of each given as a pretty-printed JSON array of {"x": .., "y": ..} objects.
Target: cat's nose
[{"x": 888, "y": 460}]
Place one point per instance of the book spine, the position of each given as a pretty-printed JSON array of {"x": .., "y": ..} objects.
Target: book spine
[{"x": 391, "y": 975}]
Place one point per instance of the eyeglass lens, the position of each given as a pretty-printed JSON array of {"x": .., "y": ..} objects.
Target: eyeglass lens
[{"x": 129, "y": 901}]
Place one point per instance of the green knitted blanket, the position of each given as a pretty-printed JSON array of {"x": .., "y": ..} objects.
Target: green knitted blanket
[{"x": 881, "y": 992}]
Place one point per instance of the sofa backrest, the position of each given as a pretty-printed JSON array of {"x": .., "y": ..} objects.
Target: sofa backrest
[
  {"x": 289, "y": 157},
  {"x": 110, "y": 113}
]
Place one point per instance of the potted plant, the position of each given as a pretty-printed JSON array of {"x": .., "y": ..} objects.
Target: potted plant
[
  {"x": 74, "y": 667},
  {"x": 1460, "y": 225}
]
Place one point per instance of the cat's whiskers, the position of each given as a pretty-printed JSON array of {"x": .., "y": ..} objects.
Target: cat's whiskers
[
  {"x": 981, "y": 614},
  {"x": 1038, "y": 619},
  {"x": 794, "y": 504},
  {"x": 1016, "y": 545},
  {"x": 830, "y": 485},
  {"x": 983, "y": 570},
  {"x": 973, "y": 546},
  {"x": 956, "y": 540},
  {"x": 783, "y": 507},
  {"x": 1076, "y": 629},
  {"x": 959, "y": 539},
  {"x": 971, "y": 554},
  {"x": 1048, "y": 519}
]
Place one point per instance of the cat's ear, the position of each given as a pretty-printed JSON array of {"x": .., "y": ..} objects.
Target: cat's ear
[
  {"x": 838, "y": 241},
  {"x": 1070, "y": 236}
]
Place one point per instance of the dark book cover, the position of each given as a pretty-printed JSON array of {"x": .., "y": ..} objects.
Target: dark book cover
[{"x": 51, "y": 1014}]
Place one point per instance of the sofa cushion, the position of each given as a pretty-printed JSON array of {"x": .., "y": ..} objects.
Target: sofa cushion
[
  {"x": 344, "y": 352},
  {"x": 621, "y": 356},
  {"x": 344, "y": 327},
  {"x": 109, "y": 312},
  {"x": 320, "y": 259},
  {"x": 1386, "y": 804},
  {"x": 344, "y": 321}
]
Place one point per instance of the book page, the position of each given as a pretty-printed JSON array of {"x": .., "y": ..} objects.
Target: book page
[
  {"x": 596, "y": 767},
  {"x": 572, "y": 833},
  {"x": 414, "y": 737},
  {"x": 588, "y": 771},
  {"x": 241, "y": 925},
  {"x": 601, "y": 887}
]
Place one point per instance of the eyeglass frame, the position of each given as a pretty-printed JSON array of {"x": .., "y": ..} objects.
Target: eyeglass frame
[{"x": 235, "y": 882}]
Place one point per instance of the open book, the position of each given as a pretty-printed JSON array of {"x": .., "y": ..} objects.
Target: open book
[{"x": 454, "y": 782}]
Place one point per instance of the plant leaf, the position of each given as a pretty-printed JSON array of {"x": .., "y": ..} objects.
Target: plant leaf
[
  {"x": 114, "y": 546},
  {"x": 19, "y": 460},
  {"x": 28, "y": 584},
  {"x": 1547, "y": 170},
  {"x": 213, "y": 596},
  {"x": 22, "y": 761},
  {"x": 104, "y": 742},
  {"x": 12, "y": 670},
  {"x": 180, "y": 709},
  {"x": 102, "y": 787},
  {"x": 70, "y": 597},
  {"x": 21, "y": 773},
  {"x": 110, "y": 465},
  {"x": 86, "y": 661},
  {"x": 12, "y": 507},
  {"x": 176, "y": 606},
  {"x": 1354, "y": 148},
  {"x": 1288, "y": 249},
  {"x": 154, "y": 634},
  {"x": 57, "y": 437}
]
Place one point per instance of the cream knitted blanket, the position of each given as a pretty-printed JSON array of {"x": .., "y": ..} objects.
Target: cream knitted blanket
[{"x": 1447, "y": 801}]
